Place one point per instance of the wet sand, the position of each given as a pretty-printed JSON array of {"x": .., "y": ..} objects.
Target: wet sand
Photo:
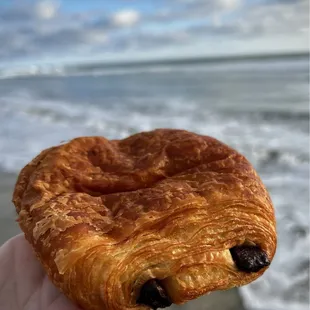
[
  {"x": 8, "y": 225},
  {"x": 228, "y": 300}
]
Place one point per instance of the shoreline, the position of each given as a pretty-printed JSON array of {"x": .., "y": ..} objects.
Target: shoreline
[
  {"x": 225, "y": 300},
  {"x": 8, "y": 225}
]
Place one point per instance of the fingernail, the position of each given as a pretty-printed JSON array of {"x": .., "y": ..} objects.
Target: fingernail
[
  {"x": 152, "y": 294},
  {"x": 249, "y": 258}
]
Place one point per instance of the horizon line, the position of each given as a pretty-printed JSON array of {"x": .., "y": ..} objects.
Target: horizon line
[
  {"x": 183, "y": 60},
  {"x": 103, "y": 64}
]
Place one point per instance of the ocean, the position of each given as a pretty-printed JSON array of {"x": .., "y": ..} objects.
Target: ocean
[{"x": 258, "y": 107}]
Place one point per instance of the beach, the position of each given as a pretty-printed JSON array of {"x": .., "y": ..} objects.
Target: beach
[
  {"x": 260, "y": 108},
  {"x": 8, "y": 225},
  {"x": 228, "y": 300}
]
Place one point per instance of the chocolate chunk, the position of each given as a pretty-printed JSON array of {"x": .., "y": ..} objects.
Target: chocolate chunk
[
  {"x": 249, "y": 258},
  {"x": 153, "y": 295}
]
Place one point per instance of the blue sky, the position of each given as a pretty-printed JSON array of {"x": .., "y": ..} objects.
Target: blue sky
[{"x": 61, "y": 31}]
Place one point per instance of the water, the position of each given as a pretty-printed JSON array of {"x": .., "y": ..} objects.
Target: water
[{"x": 260, "y": 108}]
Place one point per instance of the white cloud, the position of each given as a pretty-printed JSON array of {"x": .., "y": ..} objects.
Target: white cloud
[
  {"x": 126, "y": 18},
  {"x": 96, "y": 37},
  {"x": 276, "y": 19},
  {"x": 230, "y": 4},
  {"x": 214, "y": 5},
  {"x": 217, "y": 20},
  {"x": 46, "y": 9},
  {"x": 41, "y": 30}
]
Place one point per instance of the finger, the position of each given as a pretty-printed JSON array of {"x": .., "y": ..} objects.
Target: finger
[{"x": 62, "y": 303}]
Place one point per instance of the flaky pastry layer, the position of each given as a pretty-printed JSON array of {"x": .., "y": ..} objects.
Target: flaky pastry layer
[{"x": 105, "y": 216}]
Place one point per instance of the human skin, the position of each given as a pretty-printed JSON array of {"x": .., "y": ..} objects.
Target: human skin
[{"x": 24, "y": 284}]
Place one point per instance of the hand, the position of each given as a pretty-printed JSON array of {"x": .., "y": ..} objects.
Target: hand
[{"x": 23, "y": 283}]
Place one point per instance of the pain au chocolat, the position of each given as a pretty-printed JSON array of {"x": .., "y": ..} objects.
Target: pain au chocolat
[{"x": 157, "y": 218}]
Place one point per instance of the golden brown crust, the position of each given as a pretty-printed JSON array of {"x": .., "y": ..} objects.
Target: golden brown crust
[{"x": 106, "y": 216}]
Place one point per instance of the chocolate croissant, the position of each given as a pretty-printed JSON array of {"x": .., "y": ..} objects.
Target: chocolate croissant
[{"x": 157, "y": 218}]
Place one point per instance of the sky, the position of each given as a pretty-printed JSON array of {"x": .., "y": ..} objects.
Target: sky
[{"x": 66, "y": 31}]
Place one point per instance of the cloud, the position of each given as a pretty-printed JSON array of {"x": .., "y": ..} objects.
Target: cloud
[
  {"x": 19, "y": 14},
  {"x": 230, "y": 4},
  {"x": 97, "y": 37},
  {"x": 287, "y": 17},
  {"x": 45, "y": 31},
  {"x": 46, "y": 9},
  {"x": 149, "y": 41},
  {"x": 210, "y": 7},
  {"x": 126, "y": 18},
  {"x": 278, "y": 18}
]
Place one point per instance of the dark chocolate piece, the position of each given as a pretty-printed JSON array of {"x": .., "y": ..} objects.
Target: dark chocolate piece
[
  {"x": 153, "y": 295},
  {"x": 249, "y": 258}
]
